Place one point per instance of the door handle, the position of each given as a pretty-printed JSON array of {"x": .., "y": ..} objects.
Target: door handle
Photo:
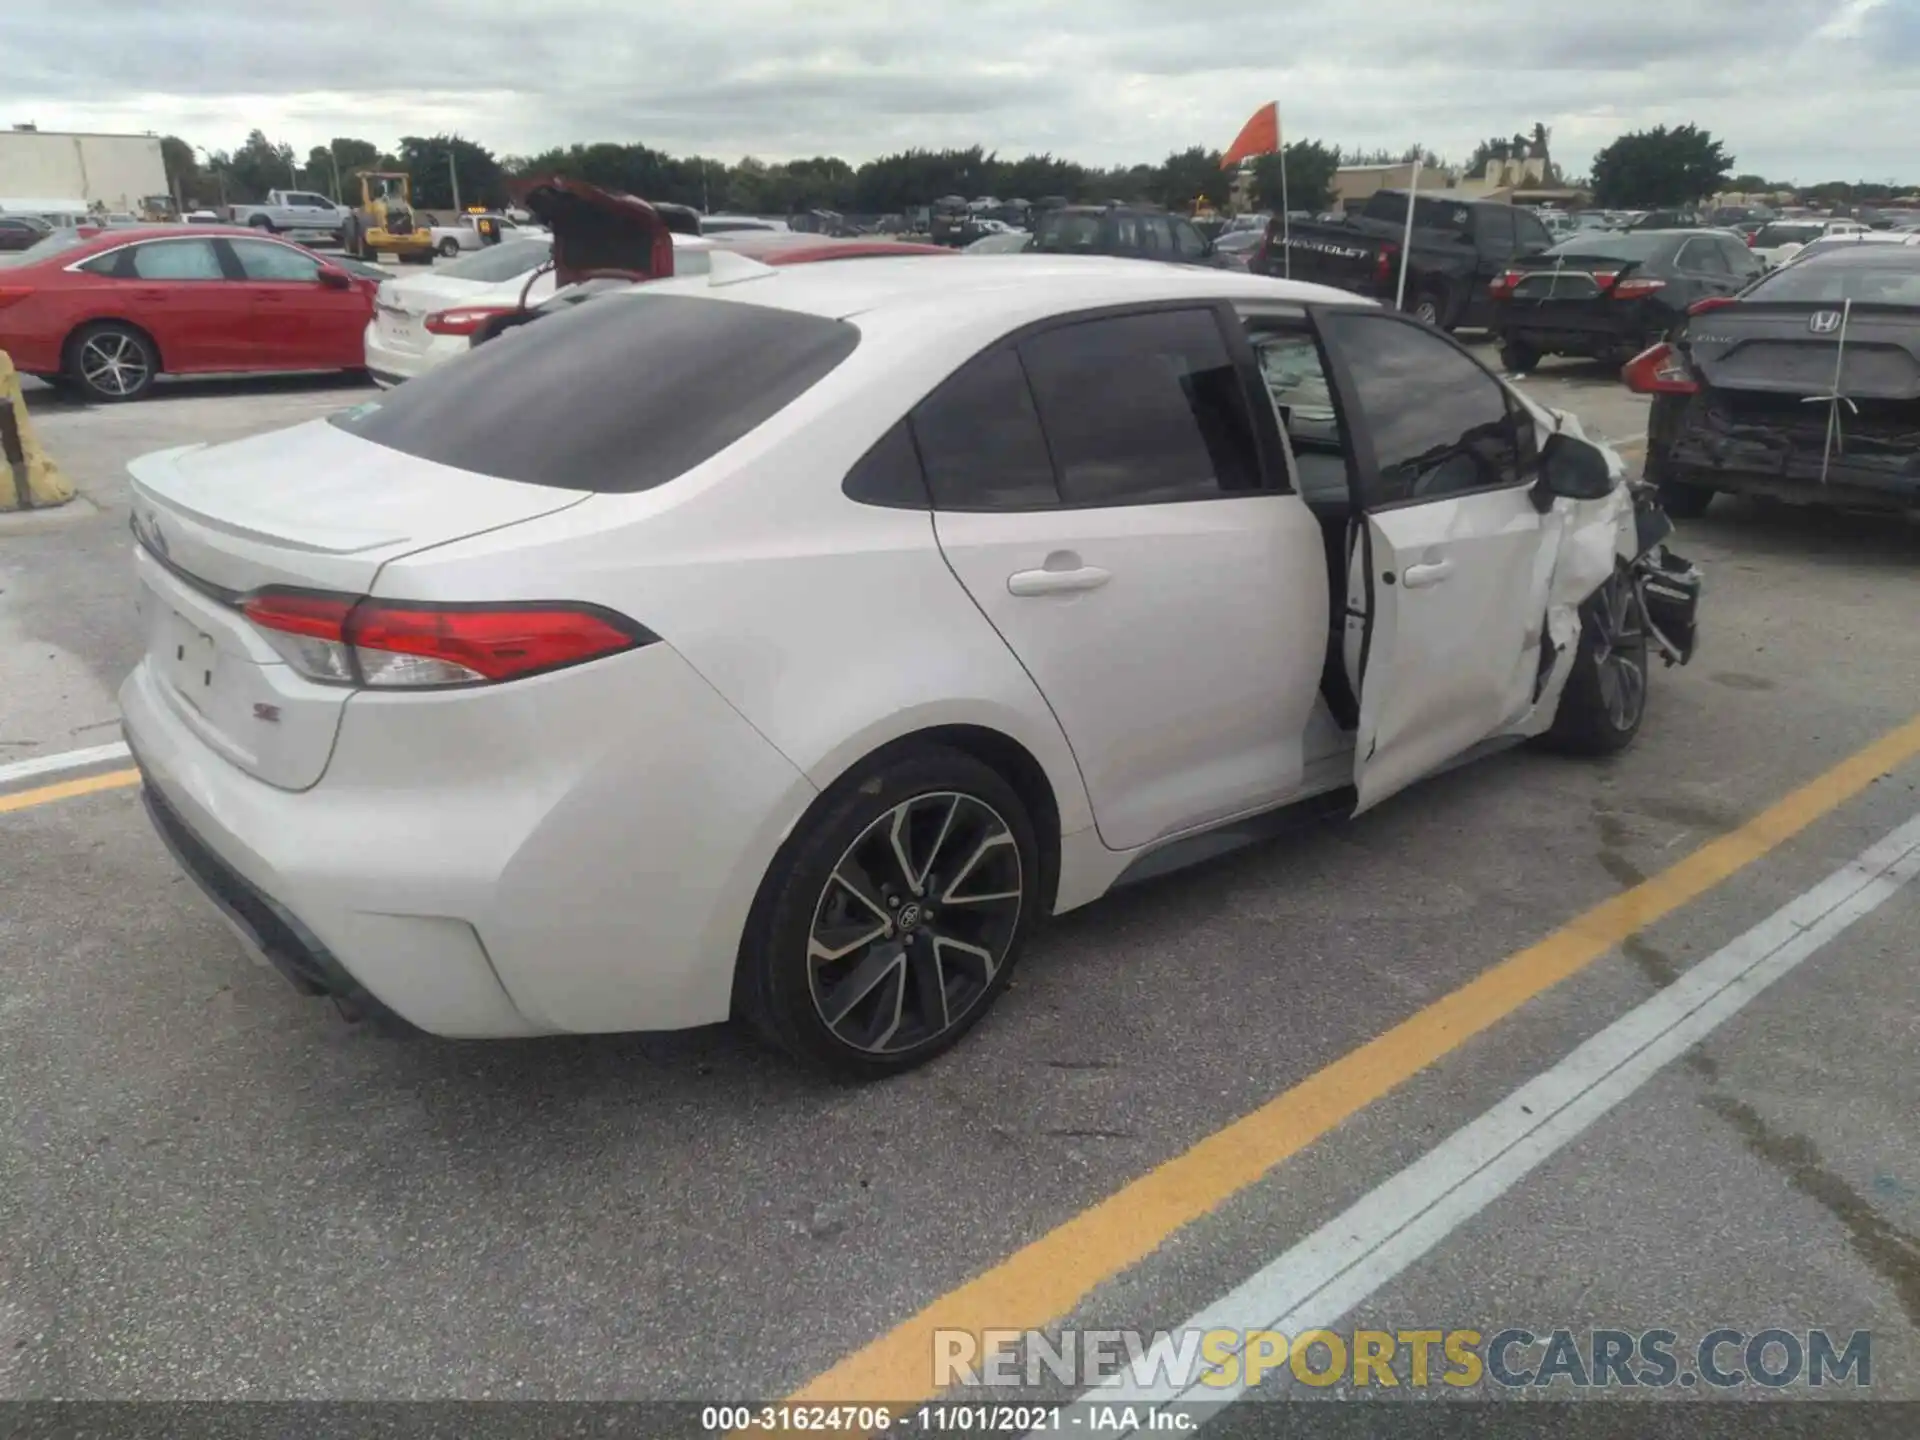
[
  {"x": 1420, "y": 577},
  {"x": 1057, "y": 582}
]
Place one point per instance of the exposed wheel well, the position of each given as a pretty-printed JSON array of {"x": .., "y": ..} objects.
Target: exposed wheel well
[{"x": 66, "y": 345}]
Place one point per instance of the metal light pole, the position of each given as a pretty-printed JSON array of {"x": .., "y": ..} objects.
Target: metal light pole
[
  {"x": 453, "y": 174},
  {"x": 335, "y": 161}
]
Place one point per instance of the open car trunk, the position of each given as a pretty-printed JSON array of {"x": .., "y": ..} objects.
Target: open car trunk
[{"x": 601, "y": 234}]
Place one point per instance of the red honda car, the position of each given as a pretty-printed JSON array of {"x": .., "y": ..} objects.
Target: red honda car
[{"x": 107, "y": 311}]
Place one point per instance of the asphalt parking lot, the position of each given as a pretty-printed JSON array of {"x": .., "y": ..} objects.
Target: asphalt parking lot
[{"x": 215, "y": 1189}]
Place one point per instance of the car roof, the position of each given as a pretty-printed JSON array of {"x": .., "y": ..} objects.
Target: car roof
[
  {"x": 1015, "y": 288},
  {"x": 797, "y": 247},
  {"x": 116, "y": 235}
]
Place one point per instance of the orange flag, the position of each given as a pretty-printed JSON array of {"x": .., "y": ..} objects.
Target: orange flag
[{"x": 1259, "y": 136}]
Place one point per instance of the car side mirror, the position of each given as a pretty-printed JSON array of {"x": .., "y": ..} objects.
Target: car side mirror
[
  {"x": 334, "y": 278},
  {"x": 1572, "y": 469}
]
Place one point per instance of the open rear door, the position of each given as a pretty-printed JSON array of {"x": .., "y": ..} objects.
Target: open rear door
[{"x": 599, "y": 234}]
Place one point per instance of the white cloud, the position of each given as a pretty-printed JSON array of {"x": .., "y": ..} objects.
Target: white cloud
[{"x": 1801, "y": 88}]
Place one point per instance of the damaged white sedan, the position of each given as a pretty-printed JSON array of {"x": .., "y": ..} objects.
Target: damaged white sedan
[{"x": 788, "y": 643}]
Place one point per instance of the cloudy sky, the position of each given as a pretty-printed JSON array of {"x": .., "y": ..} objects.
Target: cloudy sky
[{"x": 1798, "y": 89}]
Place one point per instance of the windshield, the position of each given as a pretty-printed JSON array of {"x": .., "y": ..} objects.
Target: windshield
[
  {"x": 1787, "y": 234},
  {"x": 46, "y": 248},
  {"x": 498, "y": 263},
  {"x": 1865, "y": 274},
  {"x": 1602, "y": 245}
]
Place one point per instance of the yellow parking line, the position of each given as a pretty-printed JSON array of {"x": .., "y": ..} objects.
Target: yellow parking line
[
  {"x": 68, "y": 789},
  {"x": 1050, "y": 1277}
]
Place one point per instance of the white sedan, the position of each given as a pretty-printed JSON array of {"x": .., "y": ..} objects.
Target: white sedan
[
  {"x": 423, "y": 320},
  {"x": 1779, "y": 241},
  {"x": 789, "y": 643}
]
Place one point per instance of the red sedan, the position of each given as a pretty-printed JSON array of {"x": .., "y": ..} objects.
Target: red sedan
[{"x": 108, "y": 311}]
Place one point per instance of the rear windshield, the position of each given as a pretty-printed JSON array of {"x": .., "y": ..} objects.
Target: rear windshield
[
  {"x": 1771, "y": 235},
  {"x": 498, "y": 263},
  {"x": 613, "y": 397},
  {"x": 1863, "y": 274},
  {"x": 1622, "y": 246}
]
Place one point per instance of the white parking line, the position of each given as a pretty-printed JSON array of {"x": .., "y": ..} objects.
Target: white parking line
[
  {"x": 1336, "y": 1268},
  {"x": 65, "y": 760}
]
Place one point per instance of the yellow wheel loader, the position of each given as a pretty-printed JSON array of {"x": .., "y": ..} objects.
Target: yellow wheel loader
[{"x": 385, "y": 223}]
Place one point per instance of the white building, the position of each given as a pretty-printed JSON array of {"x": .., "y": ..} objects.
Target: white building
[{"x": 117, "y": 171}]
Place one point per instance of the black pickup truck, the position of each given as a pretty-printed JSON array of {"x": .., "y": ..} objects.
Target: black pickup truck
[{"x": 1459, "y": 247}]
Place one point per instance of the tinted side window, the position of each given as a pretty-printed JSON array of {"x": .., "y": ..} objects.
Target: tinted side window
[
  {"x": 264, "y": 260},
  {"x": 1156, "y": 236},
  {"x": 1438, "y": 422},
  {"x": 1187, "y": 241},
  {"x": 1141, "y": 409},
  {"x": 980, "y": 439},
  {"x": 177, "y": 260},
  {"x": 1496, "y": 229},
  {"x": 1702, "y": 257},
  {"x": 614, "y": 396},
  {"x": 1740, "y": 259},
  {"x": 889, "y": 474}
]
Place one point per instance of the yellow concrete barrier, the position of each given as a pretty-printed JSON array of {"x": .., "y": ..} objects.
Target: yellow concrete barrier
[{"x": 29, "y": 480}]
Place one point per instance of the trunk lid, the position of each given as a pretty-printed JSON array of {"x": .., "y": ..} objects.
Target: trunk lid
[
  {"x": 313, "y": 507},
  {"x": 1795, "y": 349},
  {"x": 600, "y": 233}
]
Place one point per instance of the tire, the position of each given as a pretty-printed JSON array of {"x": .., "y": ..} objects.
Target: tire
[
  {"x": 1605, "y": 700},
  {"x": 1518, "y": 357},
  {"x": 261, "y": 222},
  {"x": 852, "y": 967},
  {"x": 449, "y": 248},
  {"x": 111, "y": 362},
  {"x": 1433, "y": 305},
  {"x": 1683, "y": 501}
]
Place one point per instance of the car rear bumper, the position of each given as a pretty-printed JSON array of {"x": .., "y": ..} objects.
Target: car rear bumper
[
  {"x": 391, "y": 364},
  {"x": 1568, "y": 327},
  {"x": 1868, "y": 465},
  {"x": 576, "y": 852}
]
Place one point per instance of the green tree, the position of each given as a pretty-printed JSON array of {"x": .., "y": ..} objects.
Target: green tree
[
  {"x": 425, "y": 159},
  {"x": 1660, "y": 167},
  {"x": 1189, "y": 176},
  {"x": 1751, "y": 184},
  {"x": 183, "y": 169},
  {"x": 1309, "y": 169},
  {"x": 257, "y": 167},
  {"x": 1497, "y": 147}
]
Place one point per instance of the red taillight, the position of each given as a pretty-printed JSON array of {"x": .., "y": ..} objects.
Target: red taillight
[
  {"x": 1711, "y": 303},
  {"x": 1635, "y": 289},
  {"x": 1752, "y": 237},
  {"x": 1383, "y": 267},
  {"x": 384, "y": 644},
  {"x": 1504, "y": 283},
  {"x": 464, "y": 319},
  {"x": 1659, "y": 370},
  {"x": 1605, "y": 278}
]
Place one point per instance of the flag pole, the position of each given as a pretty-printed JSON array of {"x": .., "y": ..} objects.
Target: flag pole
[
  {"x": 1286, "y": 208},
  {"x": 1406, "y": 243}
]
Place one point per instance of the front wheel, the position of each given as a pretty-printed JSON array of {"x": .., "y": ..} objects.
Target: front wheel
[
  {"x": 1518, "y": 357},
  {"x": 449, "y": 247},
  {"x": 1430, "y": 307},
  {"x": 891, "y": 921},
  {"x": 111, "y": 362},
  {"x": 262, "y": 222},
  {"x": 1605, "y": 699},
  {"x": 1683, "y": 501}
]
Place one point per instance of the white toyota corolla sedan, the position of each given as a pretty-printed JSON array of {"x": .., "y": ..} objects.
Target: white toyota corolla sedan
[{"x": 789, "y": 643}]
